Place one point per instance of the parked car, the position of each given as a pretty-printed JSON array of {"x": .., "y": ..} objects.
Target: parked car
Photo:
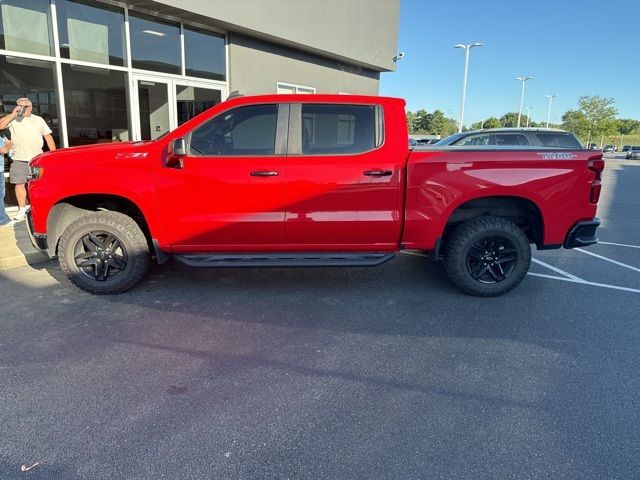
[
  {"x": 513, "y": 137},
  {"x": 609, "y": 149},
  {"x": 593, "y": 146},
  {"x": 294, "y": 184},
  {"x": 633, "y": 153},
  {"x": 626, "y": 147}
]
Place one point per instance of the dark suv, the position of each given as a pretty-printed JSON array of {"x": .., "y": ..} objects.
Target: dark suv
[{"x": 513, "y": 138}]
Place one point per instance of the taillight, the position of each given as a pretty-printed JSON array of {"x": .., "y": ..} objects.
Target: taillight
[
  {"x": 596, "y": 165},
  {"x": 594, "y": 194}
]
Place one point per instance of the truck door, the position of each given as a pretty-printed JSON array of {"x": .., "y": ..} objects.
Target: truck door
[
  {"x": 343, "y": 178},
  {"x": 227, "y": 192}
]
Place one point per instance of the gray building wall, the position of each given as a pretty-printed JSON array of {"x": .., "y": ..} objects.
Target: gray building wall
[
  {"x": 361, "y": 32},
  {"x": 255, "y": 67}
]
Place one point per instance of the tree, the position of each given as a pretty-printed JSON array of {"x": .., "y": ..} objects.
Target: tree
[
  {"x": 600, "y": 115},
  {"x": 627, "y": 126},
  {"x": 411, "y": 120},
  {"x": 575, "y": 121},
  {"x": 438, "y": 124},
  {"x": 420, "y": 122},
  {"x": 511, "y": 119},
  {"x": 491, "y": 122}
]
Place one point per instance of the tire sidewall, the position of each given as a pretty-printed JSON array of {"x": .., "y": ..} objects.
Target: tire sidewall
[
  {"x": 124, "y": 231},
  {"x": 463, "y": 241}
]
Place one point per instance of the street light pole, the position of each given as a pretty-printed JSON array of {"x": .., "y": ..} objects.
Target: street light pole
[
  {"x": 522, "y": 79},
  {"x": 528, "y": 115},
  {"x": 467, "y": 49},
  {"x": 550, "y": 97}
]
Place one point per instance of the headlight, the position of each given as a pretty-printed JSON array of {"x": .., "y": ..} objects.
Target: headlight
[{"x": 35, "y": 173}]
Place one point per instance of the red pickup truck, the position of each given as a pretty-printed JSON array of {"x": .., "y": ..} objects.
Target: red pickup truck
[{"x": 307, "y": 180}]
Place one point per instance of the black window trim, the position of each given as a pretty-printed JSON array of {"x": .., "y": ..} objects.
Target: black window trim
[
  {"x": 282, "y": 131},
  {"x": 294, "y": 147}
]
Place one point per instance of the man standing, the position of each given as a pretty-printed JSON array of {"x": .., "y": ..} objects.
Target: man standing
[
  {"x": 5, "y": 146},
  {"x": 27, "y": 131}
]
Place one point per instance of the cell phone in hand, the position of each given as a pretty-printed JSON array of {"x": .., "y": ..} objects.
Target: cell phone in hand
[{"x": 22, "y": 110}]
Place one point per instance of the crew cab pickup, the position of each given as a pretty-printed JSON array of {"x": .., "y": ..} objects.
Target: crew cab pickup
[{"x": 307, "y": 180}]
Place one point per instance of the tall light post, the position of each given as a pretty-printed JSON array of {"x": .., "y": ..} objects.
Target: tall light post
[
  {"x": 467, "y": 49},
  {"x": 550, "y": 97},
  {"x": 528, "y": 115},
  {"x": 522, "y": 79}
]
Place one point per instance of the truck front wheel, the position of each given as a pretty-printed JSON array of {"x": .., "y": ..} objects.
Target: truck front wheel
[
  {"x": 104, "y": 252},
  {"x": 487, "y": 256}
]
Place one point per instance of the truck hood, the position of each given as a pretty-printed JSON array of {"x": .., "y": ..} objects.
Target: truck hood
[{"x": 87, "y": 153}]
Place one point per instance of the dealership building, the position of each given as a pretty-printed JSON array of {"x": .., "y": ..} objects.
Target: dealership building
[{"x": 107, "y": 71}]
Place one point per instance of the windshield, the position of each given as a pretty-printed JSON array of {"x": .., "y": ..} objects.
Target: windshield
[{"x": 451, "y": 139}]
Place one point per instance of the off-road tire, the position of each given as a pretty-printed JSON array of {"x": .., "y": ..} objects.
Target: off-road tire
[
  {"x": 131, "y": 241},
  {"x": 459, "y": 256}
]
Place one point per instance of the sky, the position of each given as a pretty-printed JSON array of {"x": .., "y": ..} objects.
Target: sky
[{"x": 571, "y": 48}]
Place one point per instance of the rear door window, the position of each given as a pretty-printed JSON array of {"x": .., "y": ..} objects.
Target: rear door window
[
  {"x": 511, "y": 140},
  {"x": 338, "y": 129},
  {"x": 559, "y": 140}
]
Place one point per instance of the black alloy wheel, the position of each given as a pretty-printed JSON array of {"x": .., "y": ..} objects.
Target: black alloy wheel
[
  {"x": 101, "y": 256},
  {"x": 492, "y": 259},
  {"x": 487, "y": 256},
  {"x": 104, "y": 252}
]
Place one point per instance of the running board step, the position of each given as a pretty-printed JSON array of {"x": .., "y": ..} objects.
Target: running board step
[{"x": 284, "y": 259}]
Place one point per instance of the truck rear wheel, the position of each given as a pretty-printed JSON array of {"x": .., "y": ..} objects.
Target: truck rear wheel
[
  {"x": 487, "y": 256},
  {"x": 104, "y": 253}
]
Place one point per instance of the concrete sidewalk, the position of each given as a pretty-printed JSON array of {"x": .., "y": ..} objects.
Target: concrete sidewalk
[{"x": 15, "y": 247}]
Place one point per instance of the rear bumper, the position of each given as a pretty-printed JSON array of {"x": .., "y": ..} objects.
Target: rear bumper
[
  {"x": 582, "y": 234},
  {"x": 39, "y": 240}
]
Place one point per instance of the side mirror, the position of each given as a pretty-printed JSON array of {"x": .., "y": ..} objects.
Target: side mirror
[
  {"x": 179, "y": 147},
  {"x": 177, "y": 150}
]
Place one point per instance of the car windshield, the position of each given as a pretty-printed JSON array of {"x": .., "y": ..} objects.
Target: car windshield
[{"x": 450, "y": 140}]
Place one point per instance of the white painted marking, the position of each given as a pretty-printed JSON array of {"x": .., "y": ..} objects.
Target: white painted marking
[
  {"x": 615, "y": 262},
  {"x": 542, "y": 275},
  {"x": 619, "y": 244},
  {"x": 557, "y": 270},
  {"x": 584, "y": 282}
]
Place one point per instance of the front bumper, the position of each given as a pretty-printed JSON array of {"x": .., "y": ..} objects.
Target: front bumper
[
  {"x": 39, "y": 240},
  {"x": 582, "y": 234}
]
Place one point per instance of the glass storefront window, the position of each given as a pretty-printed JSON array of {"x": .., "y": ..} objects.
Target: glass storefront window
[
  {"x": 91, "y": 32},
  {"x": 25, "y": 26},
  {"x": 204, "y": 54},
  {"x": 192, "y": 101},
  {"x": 155, "y": 45},
  {"x": 96, "y": 105},
  {"x": 33, "y": 79}
]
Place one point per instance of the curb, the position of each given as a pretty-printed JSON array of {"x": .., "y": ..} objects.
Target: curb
[{"x": 15, "y": 261}]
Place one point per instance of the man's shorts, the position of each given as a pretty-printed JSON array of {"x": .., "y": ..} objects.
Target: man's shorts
[{"x": 19, "y": 172}]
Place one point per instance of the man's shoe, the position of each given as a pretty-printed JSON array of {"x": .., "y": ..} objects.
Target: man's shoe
[{"x": 21, "y": 214}]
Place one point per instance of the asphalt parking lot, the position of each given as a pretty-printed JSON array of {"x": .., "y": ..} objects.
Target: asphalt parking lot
[{"x": 382, "y": 373}]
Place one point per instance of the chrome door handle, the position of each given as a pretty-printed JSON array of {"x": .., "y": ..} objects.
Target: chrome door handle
[
  {"x": 378, "y": 173},
  {"x": 264, "y": 173}
]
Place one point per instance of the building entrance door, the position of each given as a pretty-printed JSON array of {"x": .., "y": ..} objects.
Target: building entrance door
[{"x": 161, "y": 104}]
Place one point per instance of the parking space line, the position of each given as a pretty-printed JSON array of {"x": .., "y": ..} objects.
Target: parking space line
[
  {"x": 615, "y": 262},
  {"x": 619, "y": 244},
  {"x": 542, "y": 275},
  {"x": 585, "y": 282},
  {"x": 557, "y": 270}
]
